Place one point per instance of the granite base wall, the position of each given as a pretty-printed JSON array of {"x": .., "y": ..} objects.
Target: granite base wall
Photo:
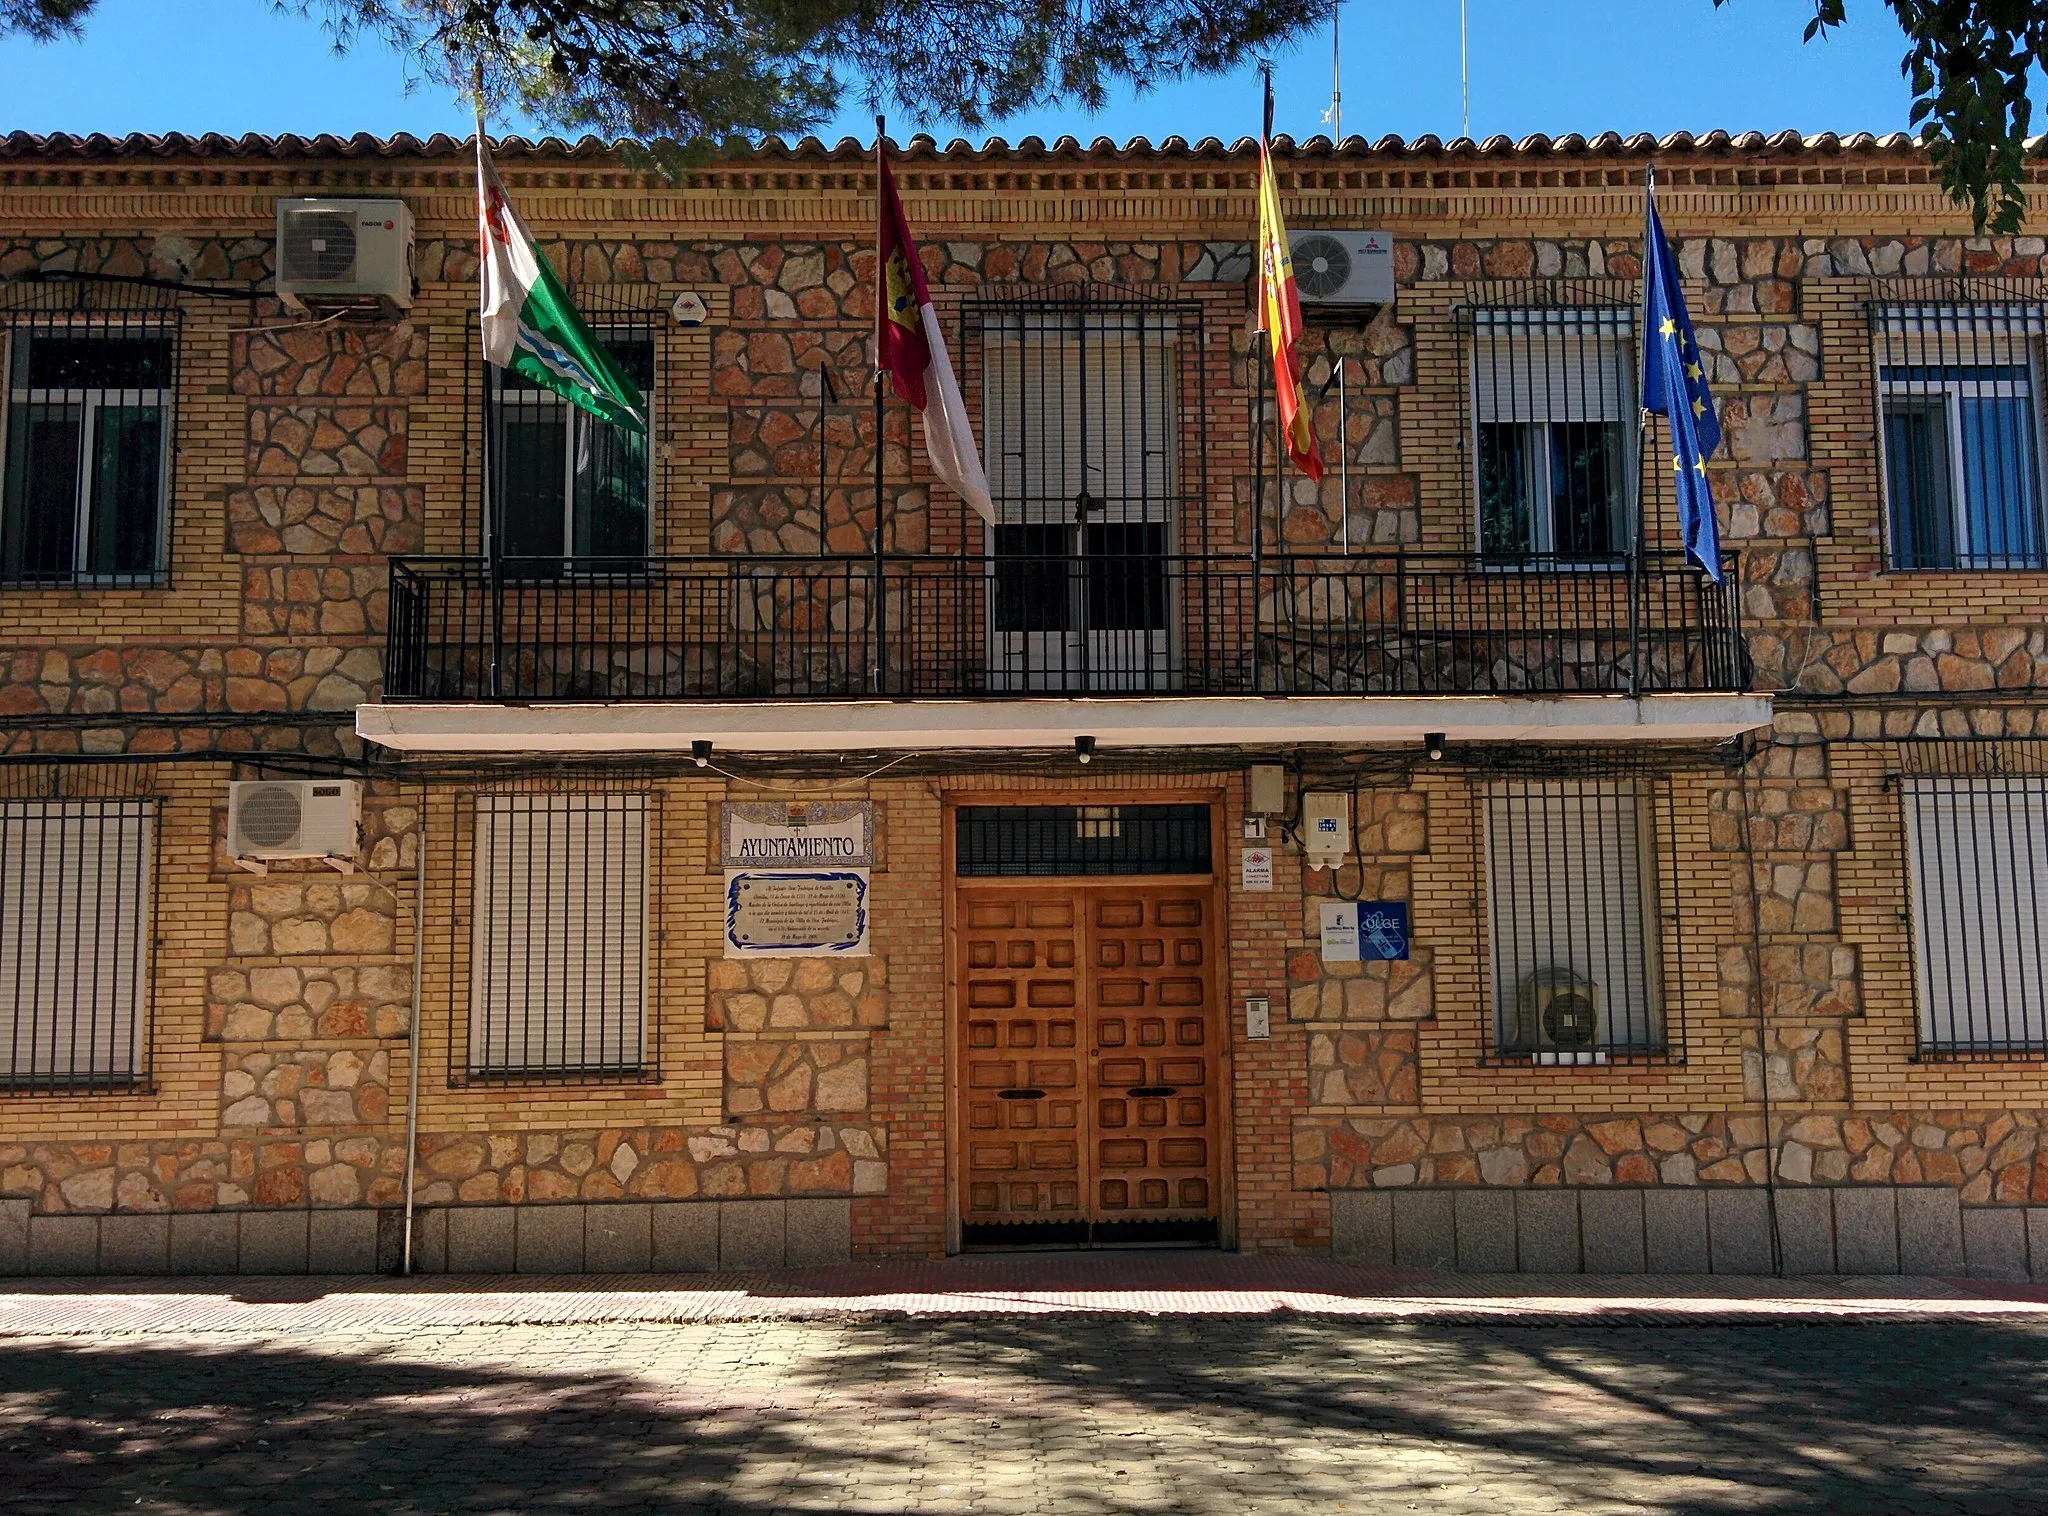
[
  {"x": 691, "y": 1236},
  {"x": 1866, "y": 1229}
]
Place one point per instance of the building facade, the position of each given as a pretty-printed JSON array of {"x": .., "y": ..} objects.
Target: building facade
[{"x": 1424, "y": 865}]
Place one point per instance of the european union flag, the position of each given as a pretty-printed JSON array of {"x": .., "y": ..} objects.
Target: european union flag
[{"x": 1675, "y": 386}]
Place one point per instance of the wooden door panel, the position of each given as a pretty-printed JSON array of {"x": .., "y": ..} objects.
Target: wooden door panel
[
  {"x": 1022, "y": 1056},
  {"x": 1091, "y": 1054},
  {"x": 1155, "y": 1069}
]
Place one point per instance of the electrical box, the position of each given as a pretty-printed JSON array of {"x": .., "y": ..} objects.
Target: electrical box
[
  {"x": 1326, "y": 827},
  {"x": 1267, "y": 784}
]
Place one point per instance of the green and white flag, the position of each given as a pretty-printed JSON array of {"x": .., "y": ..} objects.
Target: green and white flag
[{"x": 529, "y": 326}]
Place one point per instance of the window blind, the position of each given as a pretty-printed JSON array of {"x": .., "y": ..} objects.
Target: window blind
[
  {"x": 76, "y": 887},
  {"x": 1978, "y": 851},
  {"x": 559, "y": 936},
  {"x": 1559, "y": 365},
  {"x": 1081, "y": 402},
  {"x": 1570, "y": 889}
]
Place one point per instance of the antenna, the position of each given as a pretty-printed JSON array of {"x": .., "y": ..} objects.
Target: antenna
[
  {"x": 1464, "y": 76},
  {"x": 1335, "y": 114}
]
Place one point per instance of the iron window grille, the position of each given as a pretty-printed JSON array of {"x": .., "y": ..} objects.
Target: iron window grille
[
  {"x": 1097, "y": 467},
  {"x": 1054, "y": 841},
  {"x": 77, "y": 930},
  {"x": 88, "y": 389},
  {"x": 1974, "y": 815},
  {"x": 562, "y": 484},
  {"x": 562, "y": 895},
  {"x": 1551, "y": 369},
  {"x": 1959, "y": 381},
  {"x": 1577, "y": 871}
]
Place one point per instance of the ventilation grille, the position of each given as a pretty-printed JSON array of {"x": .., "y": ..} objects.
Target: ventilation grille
[
  {"x": 1322, "y": 266},
  {"x": 319, "y": 246},
  {"x": 271, "y": 816}
]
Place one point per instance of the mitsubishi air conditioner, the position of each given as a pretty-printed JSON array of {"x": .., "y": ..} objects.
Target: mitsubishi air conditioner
[
  {"x": 1557, "y": 1017},
  {"x": 1343, "y": 268},
  {"x": 270, "y": 819},
  {"x": 344, "y": 252}
]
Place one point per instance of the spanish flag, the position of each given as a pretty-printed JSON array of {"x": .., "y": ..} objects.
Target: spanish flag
[{"x": 1280, "y": 319}]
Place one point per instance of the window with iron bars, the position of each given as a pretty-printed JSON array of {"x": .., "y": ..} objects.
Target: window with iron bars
[
  {"x": 1958, "y": 369},
  {"x": 560, "y": 985},
  {"x": 1975, "y": 817},
  {"x": 86, "y": 434},
  {"x": 77, "y": 901},
  {"x": 1574, "y": 881},
  {"x": 562, "y": 482},
  {"x": 1096, "y": 470},
  {"x": 1553, "y": 406}
]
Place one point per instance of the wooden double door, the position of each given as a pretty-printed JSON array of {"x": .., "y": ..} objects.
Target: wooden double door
[{"x": 1090, "y": 1065}]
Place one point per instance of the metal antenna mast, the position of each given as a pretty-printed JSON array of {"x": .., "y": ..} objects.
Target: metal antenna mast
[
  {"x": 1335, "y": 114},
  {"x": 1464, "y": 76}
]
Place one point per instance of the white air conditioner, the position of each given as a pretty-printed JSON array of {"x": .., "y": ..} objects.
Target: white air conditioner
[
  {"x": 1343, "y": 268},
  {"x": 344, "y": 252},
  {"x": 294, "y": 818},
  {"x": 1557, "y": 1017}
]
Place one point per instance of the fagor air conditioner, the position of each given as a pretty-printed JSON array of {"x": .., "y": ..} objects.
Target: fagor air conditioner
[{"x": 336, "y": 253}]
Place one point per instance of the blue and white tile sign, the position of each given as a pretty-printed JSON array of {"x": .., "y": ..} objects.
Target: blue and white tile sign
[
  {"x": 796, "y": 878},
  {"x": 1365, "y": 931}
]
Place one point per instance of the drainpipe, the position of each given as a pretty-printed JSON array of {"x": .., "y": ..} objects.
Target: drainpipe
[{"x": 412, "y": 1056}]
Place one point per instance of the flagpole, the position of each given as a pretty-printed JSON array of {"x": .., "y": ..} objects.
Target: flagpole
[
  {"x": 1642, "y": 516},
  {"x": 493, "y": 549},
  {"x": 879, "y": 609},
  {"x": 1264, "y": 358}
]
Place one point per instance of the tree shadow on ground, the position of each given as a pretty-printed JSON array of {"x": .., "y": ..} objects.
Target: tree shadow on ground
[{"x": 1075, "y": 1413}]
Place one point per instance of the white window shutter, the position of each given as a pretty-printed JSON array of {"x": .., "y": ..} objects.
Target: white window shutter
[
  {"x": 559, "y": 938},
  {"x": 1572, "y": 888},
  {"x": 1068, "y": 403},
  {"x": 1978, "y": 857},
  {"x": 1542, "y": 366},
  {"x": 76, "y": 888}
]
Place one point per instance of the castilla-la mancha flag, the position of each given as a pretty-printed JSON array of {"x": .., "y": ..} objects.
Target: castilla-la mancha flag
[
  {"x": 1279, "y": 316},
  {"x": 909, "y": 346},
  {"x": 528, "y": 324}
]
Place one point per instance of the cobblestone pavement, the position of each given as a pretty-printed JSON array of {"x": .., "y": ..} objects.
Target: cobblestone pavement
[{"x": 1705, "y": 1396}]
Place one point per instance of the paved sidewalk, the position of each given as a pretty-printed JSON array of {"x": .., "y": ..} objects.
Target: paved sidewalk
[
  {"x": 1058, "y": 1383},
  {"x": 1164, "y": 1283}
]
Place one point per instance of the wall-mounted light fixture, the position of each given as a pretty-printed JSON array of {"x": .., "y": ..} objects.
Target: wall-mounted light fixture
[
  {"x": 1433, "y": 746},
  {"x": 1084, "y": 749},
  {"x": 701, "y": 751}
]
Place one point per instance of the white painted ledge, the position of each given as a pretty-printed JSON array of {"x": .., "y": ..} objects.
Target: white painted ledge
[{"x": 815, "y": 726}]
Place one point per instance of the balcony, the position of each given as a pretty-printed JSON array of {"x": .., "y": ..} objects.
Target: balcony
[{"x": 1351, "y": 638}]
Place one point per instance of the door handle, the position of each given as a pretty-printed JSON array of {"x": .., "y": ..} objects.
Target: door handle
[
  {"x": 1020, "y": 1094},
  {"x": 1152, "y": 1089}
]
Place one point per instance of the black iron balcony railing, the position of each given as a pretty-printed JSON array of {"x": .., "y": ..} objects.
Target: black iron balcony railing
[{"x": 780, "y": 628}]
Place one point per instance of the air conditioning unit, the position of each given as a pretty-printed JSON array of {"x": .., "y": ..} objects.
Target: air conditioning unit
[
  {"x": 344, "y": 252},
  {"x": 270, "y": 819},
  {"x": 1343, "y": 268},
  {"x": 1557, "y": 1017}
]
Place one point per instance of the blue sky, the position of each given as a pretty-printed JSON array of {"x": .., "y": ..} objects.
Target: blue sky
[{"x": 1536, "y": 65}]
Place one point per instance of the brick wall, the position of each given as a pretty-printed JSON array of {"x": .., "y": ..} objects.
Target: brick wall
[{"x": 305, "y": 454}]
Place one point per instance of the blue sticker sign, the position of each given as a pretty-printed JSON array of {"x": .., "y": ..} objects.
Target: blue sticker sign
[
  {"x": 1365, "y": 931},
  {"x": 1382, "y": 929}
]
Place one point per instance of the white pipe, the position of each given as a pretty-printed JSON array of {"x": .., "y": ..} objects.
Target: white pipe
[
  {"x": 1343, "y": 459},
  {"x": 412, "y": 1057}
]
